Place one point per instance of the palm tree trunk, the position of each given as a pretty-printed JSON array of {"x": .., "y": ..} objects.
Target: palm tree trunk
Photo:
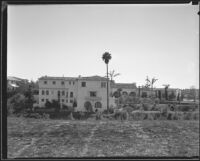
[{"x": 107, "y": 89}]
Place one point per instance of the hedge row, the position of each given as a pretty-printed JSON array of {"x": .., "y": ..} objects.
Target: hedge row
[{"x": 155, "y": 115}]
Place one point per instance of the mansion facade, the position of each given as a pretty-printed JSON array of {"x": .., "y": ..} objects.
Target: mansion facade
[{"x": 89, "y": 92}]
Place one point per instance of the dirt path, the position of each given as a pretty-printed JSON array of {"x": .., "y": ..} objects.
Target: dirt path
[
  {"x": 88, "y": 140},
  {"x": 20, "y": 151}
]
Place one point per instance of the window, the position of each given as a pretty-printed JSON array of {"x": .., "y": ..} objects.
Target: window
[
  {"x": 73, "y": 83},
  {"x": 63, "y": 93},
  {"x": 93, "y": 94},
  {"x": 54, "y": 82},
  {"x": 66, "y": 100},
  {"x": 66, "y": 94},
  {"x": 71, "y": 101},
  {"x": 98, "y": 105},
  {"x": 45, "y": 82},
  {"x": 69, "y": 82},
  {"x": 63, "y": 100},
  {"x": 58, "y": 93},
  {"x": 62, "y": 83},
  {"x": 71, "y": 94},
  {"x": 103, "y": 84},
  {"x": 42, "y": 100},
  {"x": 42, "y": 92},
  {"x": 83, "y": 84},
  {"x": 47, "y": 92}
]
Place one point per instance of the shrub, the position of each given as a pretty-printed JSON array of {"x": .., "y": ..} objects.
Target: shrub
[
  {"x": 33, "y": 115},
  {"x": 10, "y": 94},
  {"x": 196, "y": 115},
  {"x": 186, "y": 108},
  {"x": 16, "y": 103},
  {"x": 169, "y": 116},
  {"x": 157, "y": 101}
]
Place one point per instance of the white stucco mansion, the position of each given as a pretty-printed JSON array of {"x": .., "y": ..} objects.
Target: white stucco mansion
[{"x": 86, "y": 91}]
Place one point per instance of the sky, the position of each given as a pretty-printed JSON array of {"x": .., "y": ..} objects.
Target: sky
[{"x": 160, "y": 41}]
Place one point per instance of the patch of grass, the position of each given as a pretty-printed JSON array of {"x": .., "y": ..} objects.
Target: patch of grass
[{"x": 61, "y": 138}]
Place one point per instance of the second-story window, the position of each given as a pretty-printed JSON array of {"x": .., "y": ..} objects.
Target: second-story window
[
  {"x": 83, "y": 84},
  {"x": 62, "y": 83},
  {"x": 69, "y": 82},
  {"x": 66, "y": 94},
  {"x": 45, "y": 82},
  {"x": 63, "y": 93},
  {"x": 103, "y": 84},
  {"x": 73, "y": 83},
  {"x": 58, "y": 93},
  {"x": 93, "y": 94},
  {"x": 47, "y": 92},
  {"x": 71, "y": 94},
  {"x": 54, "y": 82}
]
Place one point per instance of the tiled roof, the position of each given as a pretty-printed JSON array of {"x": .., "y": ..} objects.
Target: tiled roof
[
  {"x": 12, "y": 85},
  {"x": 124, "y": 85},
  {"x": 73, "y": 78},
  {"x": 16, "y": 78},
  {"x": 96, "y": 77},
  {"x": 56, "y": 78}
]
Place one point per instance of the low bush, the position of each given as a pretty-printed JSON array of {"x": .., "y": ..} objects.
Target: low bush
[
  {"x": 32, "y": 115},
  {"x": 196, "y": 115},
  {"x": 185, "y": 108}
]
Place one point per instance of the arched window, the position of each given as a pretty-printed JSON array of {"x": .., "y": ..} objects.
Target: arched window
[
  {"x": 116, "y": 94},
  {"x": 125, "y": 93},
  {"x": 88, "y": 106},
  {"x": 98, "y": 105},
  {"x": 133, "y": 94}
]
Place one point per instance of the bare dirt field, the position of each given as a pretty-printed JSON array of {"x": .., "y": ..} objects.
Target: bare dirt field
[{"x": 29, "y": 138}]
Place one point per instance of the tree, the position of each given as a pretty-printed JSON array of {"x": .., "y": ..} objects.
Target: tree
[
  {"x": 16, "y": 103},
  {"x": 106, "y": 58},
  {"x": 172, "y": 96},
  {"x": 166, "y": 90},
  {"x": 193, "y": 92},
  {"x": 150, "y": 83},
  {"x": 112, "y": 74},
  {"x": 29, "y": 98}
]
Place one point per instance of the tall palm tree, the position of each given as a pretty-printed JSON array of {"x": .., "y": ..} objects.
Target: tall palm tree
[{"x": 106, "y": 58}]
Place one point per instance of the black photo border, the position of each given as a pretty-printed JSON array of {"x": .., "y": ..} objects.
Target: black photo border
[{"x": 3, "y": 67}]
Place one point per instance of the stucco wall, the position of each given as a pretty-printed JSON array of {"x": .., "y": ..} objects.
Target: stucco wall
[
  {"x": 84, "y": 94},
  {"x": 53, "y": 91}
]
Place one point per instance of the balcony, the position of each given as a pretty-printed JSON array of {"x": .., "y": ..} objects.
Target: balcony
[{"x": 88, "y": 98}]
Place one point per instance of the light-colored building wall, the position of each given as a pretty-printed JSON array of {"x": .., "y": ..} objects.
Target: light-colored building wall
[
  {"x": 84, "y": 93},
  {"x": 49, "y": 88},
  {"x": 49, "y": 91}
]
